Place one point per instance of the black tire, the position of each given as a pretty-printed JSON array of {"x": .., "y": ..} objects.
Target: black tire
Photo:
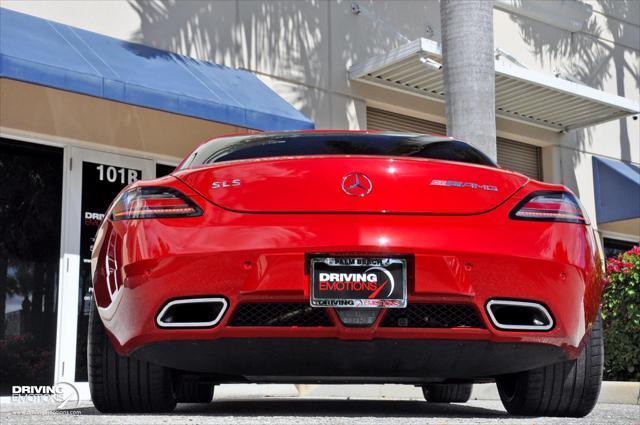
[
  {"x": 447, "y": 393},
  {"x": 569, "y": 388},
  {"x": 190, "y": 391},
  {"x": 123, "y": 384}
]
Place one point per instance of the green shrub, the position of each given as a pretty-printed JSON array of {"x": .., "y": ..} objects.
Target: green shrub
[{"x": 621, "y": 317}]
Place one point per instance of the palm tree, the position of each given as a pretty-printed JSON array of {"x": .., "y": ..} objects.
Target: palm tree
[{"x": 469, "y": 72}]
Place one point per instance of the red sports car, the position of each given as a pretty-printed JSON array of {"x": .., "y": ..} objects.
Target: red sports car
[{"x": 346, "y": 257}]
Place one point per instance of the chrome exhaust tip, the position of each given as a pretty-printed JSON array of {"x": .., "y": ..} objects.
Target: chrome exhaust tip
[
  {"x": 192, "y": 313},
  {"x": 513, "y": 315}
]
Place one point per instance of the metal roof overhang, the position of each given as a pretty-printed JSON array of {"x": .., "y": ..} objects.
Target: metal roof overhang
[{"x": 521, "y": 94}]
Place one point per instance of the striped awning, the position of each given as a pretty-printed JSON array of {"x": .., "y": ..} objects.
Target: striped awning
[{"x": 521, "y": 94}]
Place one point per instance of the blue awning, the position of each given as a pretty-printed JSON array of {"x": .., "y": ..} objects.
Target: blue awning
[
  {"x": 43, "y": 52},
  {"x": 617, "y": 190}
]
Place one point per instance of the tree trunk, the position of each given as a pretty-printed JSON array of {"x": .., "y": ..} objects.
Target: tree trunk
[{"x": 469, "y": 72}]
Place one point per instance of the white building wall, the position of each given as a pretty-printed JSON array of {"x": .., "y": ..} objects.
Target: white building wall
[{"x": 302, "y": 49}]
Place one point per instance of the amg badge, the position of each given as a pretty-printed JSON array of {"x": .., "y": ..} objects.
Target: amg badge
[{"x": 464, "y": 184}]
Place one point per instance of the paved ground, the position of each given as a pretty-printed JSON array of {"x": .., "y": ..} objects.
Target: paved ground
[{"x": 312, "y": 411}]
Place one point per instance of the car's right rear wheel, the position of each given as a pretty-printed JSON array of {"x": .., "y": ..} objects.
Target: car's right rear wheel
[
  {"x": 568, "y": 388},
  {"x": 124, "y": 384},
  {"x": 447, "y": 393}
]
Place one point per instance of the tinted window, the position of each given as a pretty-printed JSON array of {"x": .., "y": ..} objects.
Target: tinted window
[
  {"x": 614, "y": 247},
  {"x": 304, "y": 144},
  {"x": 164, "y": 170},
  {"x": 30, "y": 208}
]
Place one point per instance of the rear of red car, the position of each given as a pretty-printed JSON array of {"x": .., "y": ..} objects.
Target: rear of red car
[{"x": 346, "y": 257}]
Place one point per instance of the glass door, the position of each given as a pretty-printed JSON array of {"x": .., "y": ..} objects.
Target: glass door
[
  {"x": 94, "y": 179},
  {"x": 30, "y": 228}
]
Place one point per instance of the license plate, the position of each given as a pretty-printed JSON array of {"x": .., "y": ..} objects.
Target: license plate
[{"x": 358, "y": 282}]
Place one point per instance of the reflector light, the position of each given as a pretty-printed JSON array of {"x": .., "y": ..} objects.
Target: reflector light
[
  {"x": 153, "y": 202},
  {"x": 550, "y": 206}
]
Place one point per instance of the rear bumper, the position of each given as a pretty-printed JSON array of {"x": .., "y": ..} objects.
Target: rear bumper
[
  {"x": 280, "y": 277},
  {"x": 264, "y": 258},
  {"x": 316, "y": 360}
]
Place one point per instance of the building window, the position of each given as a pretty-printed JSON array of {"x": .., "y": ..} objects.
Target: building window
[
  {"x": 30, "y": 211},
  {"x": 164, "y": 170},
  {"x": 615, "y": 247}
]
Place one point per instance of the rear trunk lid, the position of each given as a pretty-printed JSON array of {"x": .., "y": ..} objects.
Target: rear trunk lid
[{"x": 327, "y": 184}]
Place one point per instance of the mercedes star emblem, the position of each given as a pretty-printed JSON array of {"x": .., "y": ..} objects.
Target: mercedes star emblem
[{"x": 356, "y": 184}]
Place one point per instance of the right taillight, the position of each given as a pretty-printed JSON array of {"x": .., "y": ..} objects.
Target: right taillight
[{"x": 550, "y": 206}]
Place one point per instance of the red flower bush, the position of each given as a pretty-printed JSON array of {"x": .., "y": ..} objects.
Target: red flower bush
[{"x": 621, "y": 317}]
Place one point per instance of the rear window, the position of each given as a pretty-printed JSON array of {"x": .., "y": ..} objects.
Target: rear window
[{"x": 306, "y": 144}]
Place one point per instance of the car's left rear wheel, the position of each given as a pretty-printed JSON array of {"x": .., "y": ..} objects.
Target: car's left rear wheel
[{"x": 124, "y": 384}]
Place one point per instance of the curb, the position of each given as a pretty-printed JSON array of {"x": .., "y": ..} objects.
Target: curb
[
  {"x": 247, "y": 391},
  {"x": 612, "y": 392}
]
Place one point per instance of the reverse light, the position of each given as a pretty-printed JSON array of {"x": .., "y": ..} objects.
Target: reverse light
[
  {"x": 153, "y": 202},
  {"x": 550, "y": 206}
]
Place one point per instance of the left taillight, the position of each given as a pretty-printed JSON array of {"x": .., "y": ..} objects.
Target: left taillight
[
  {"x": 153, "y": 202},
  {"x": 550, "y": 206}
]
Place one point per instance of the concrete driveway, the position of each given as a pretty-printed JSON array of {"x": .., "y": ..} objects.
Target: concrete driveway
[{"x": 312, "y": 411}]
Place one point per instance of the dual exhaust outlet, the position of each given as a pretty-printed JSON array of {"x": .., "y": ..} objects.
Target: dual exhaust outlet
[
  {"x": 206, "y": 312},
  {"x": 512, "y": 315}
]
